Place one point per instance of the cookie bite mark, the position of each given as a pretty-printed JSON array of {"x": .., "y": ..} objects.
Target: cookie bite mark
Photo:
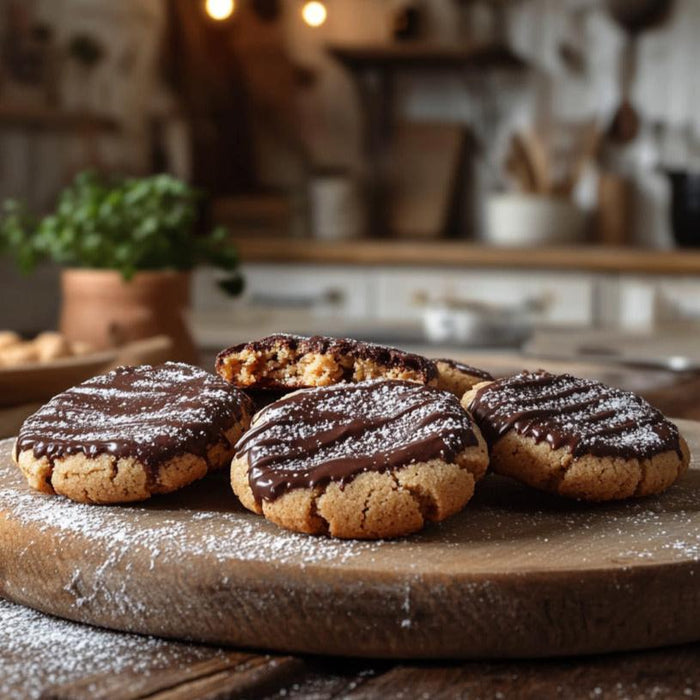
[
  {"x": 367, "y": 460},
  {"x": 290, "y": 362},
  {"x": 132, "y": 433},
  {"x": 577, "y": 437},
  {"x": 457, "y": 377}
]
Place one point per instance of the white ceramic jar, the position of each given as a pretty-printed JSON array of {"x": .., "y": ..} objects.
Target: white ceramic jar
[{"x": 515, "y": 219}]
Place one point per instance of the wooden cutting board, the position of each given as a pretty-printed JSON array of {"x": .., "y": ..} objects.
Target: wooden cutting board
[{"x": 516, "y": 574}]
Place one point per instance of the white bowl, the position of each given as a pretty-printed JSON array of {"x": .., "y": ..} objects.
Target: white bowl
[
  {"x": 499, "y": 327},
  {"x": 524, "y": 219}
]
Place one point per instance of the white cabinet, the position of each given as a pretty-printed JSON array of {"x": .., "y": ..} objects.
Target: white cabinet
[
  {"x": 342, "y": 291},
  {"x": 648, "y": 301},
  {"x": 571, "y": 296},
  {"x": 384, "y": 293}
]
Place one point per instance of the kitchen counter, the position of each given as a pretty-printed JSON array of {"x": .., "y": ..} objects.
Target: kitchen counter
[{"x": 467, "y": 254}]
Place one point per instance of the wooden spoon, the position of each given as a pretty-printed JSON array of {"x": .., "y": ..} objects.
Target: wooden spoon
[{"x": 634, "y": 17}]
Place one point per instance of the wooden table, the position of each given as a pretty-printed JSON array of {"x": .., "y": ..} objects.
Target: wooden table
[{"x": 59, "y": 659}]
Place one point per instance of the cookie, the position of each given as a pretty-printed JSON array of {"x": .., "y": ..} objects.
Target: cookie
[
  {"x": 132, "y": 433},
  {"x": 294, "y": 362},
  {"x": 458, "y": 378},
  {"x": 8, "y": 338},
  {"x": 46, "y": 347},
  {"x": 368, "y": 460},
  {"x": 577, "y": 437},
  {"x": 19, "y": 354},
  {"x": 52, "y": 346}
]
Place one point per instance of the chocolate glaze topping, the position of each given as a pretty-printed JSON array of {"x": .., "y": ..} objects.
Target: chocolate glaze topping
[
  {"x": 150, "y": 413},
  {"x": 334, "y": 433},
  {"x": 582, "y": 415},
  {"x": 340, "y": 347},
  {"x": 465, "y": 369}
]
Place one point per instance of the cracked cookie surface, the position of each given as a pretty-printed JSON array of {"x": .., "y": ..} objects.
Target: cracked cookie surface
[
  {"x": 132, "y": 433},
  {"x": 288, "y": 362},
  {"x": 368, "y": 460},
  {"x": 577, "y": 437}
]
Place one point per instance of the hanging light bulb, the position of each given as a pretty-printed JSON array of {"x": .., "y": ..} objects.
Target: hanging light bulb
[
  {"x": 314, "y": 13},
  {"x": 220, "y": 9}
]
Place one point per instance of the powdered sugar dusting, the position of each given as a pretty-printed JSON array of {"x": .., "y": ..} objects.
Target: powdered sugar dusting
[
  {"x": 125, "y": 544},
  {"x": 206, "y": 521},
  {"x": 583, "y": 414},
  {"x": 205, "y": 528},
  {"x": 338, "y": 431},
  {"x": 175, "y": 407},
  {"x": 39, "y": 652},
  {"x": 119, "y": 531}
]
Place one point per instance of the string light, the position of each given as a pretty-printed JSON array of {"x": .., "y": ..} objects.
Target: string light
[
  {"x": 314, "y": 13},
  {"x": 220, "y": 9}
]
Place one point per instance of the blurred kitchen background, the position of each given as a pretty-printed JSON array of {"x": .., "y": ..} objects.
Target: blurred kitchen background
[{"x": 479, "y": 177}]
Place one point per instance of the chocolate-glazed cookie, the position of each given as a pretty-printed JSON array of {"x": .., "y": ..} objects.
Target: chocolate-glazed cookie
[
  {"x": 132, "y": 433},
  {"x": 288, "y": 362},
  {"x": 577, "y": 437},
  {"x": 457, "y": 377},
  {"x": 366, "y": 460}
]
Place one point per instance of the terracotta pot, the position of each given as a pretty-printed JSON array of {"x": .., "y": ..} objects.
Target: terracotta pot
[{"x": 101, "y": 308}]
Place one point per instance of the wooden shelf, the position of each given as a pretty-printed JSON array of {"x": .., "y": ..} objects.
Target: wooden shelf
[
  {"x": 467, "y": 254},
  {"x": 51, "y": 119}
]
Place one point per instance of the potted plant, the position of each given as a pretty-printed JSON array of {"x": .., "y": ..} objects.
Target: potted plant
[{"x": 127, "y": 246}]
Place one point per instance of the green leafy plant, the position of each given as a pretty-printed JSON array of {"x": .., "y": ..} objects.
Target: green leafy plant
[{"x": 125, "y": 224}]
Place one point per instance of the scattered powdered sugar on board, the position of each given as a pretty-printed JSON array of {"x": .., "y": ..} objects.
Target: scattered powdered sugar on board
[
  {"x": 120, "y": 529},
  {"x": 39, "y": 652},
  {"x": 205, "y": 522},
  {"x": 553, "y": 532},
  {"x": 222, "y": 531}
]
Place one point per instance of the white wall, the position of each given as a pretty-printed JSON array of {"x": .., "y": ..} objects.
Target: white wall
[{"x": 123, "y": 86}]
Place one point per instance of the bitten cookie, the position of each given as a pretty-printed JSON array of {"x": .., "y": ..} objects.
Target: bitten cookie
[
  {"x": 577, "y": 437},
  {"x": 132, "y": 433},
  {"x": 291, "y": 362},
  {"x": 458, "y": 378},
  {"x": 369, "y": 460}
]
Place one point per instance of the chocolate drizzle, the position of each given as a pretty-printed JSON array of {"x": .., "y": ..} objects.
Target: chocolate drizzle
[
  {"x": 334, "y": 433},
  {"x": 581, "y": 415},
  {"x": 149, "y": 413},
  {"x": 465, "y": 369}
]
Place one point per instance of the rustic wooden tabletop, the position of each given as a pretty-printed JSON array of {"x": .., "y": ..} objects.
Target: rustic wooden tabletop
[
  {"x": 45, "y": 657},
  {"x": 58, "y": 659}
]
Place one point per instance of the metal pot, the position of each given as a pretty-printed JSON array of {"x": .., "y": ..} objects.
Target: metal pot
[{"x": 685, "y": 207}]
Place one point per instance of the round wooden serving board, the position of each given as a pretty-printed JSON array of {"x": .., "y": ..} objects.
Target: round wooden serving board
[{"x": 517, "y": 573}]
